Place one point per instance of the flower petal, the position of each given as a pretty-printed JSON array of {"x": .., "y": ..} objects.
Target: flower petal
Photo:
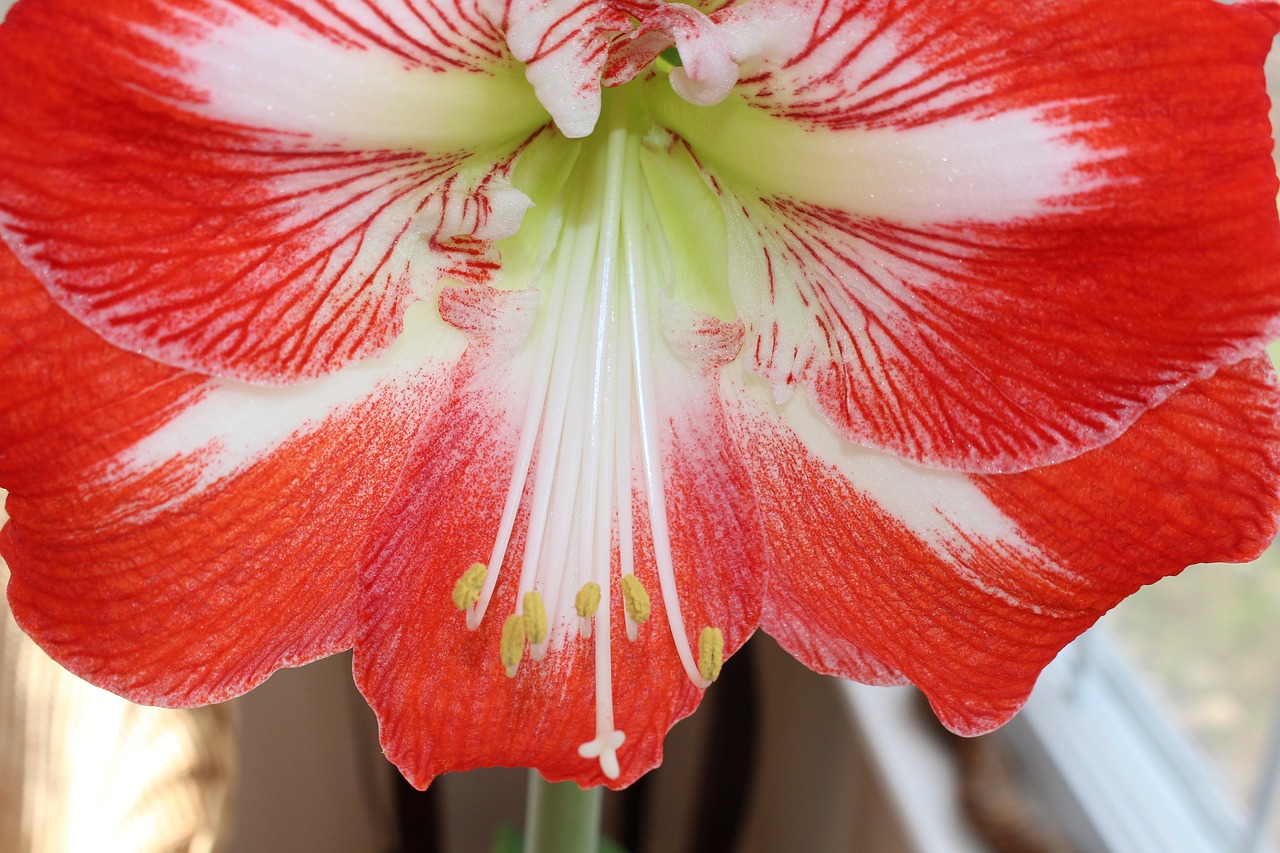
[
  {"x": 989, "y": 239},
  {"x": 257, "y": 188},
  {"x": 968, "y": 585},
  {"x": 176, "y": 539},
  {"x": 442, "y": 695},
  {"x": 564, "y": 45},
  {"x": 707, "y": 72}
]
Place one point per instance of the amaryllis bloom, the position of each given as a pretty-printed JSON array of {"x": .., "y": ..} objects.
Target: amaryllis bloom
[{"x": 541, "y": 350}]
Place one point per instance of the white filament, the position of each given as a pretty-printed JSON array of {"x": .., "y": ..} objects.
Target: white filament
[
  {"x": 592, "y": 386},
  {"x": 649, "y": 449},
  {"x": 524, "y": 450}
]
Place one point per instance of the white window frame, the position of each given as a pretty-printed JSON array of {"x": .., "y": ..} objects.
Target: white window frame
[
  {"x": 1118, "y": 773},
  {"x": 1096, "y": 749}
]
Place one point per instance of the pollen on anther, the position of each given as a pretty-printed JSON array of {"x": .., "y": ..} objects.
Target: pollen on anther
[
  {"x": 466, "y": 592},
  {"x": 535, "y": 617},
  {"x": 710, "y": 653},
  {"x": 635, "y": 598},
  {"x": 512, "y": 646},
  {"x": 587, "y": 601}
]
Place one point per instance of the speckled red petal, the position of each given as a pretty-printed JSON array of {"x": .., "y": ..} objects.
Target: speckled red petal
[
  {"x": 256, "y": 188},
  {"x": 969, "y": 585},
  {"x": 172, "y": 538},
  {"x": 442, "y": 692},
  {"x": 982, "y": 235}
]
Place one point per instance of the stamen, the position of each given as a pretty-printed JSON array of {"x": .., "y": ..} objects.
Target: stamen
[
  {"x": 587, "y": 601},
  {"x": 577, "y": 468},
  {"x": 512, "y": 646},
  {"x": 623, "y": 465},
  {"x": 567, "y": 268},
  {"x": 635, "y": 598},
  {"x": 548, "y": 549},
  {"x": 535, "y": 617},
  {"x": 596, "y": 473},
  {"x": 710, "y": 653},
  {"x": 553, "y": 466},
  {"x": 466, "y": 592},
  {"x": 650, "y": 444}
]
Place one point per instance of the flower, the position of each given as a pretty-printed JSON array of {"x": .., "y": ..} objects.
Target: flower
[{"x": 542, "y": 350}]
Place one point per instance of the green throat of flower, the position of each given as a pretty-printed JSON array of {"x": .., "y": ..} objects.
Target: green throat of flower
[{"x": 630, "y": 188}]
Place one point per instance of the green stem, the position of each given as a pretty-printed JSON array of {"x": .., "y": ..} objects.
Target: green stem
[{"x": 560, "y": 817}]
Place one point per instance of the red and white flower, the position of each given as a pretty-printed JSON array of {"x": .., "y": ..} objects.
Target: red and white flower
[{"x": 916, "y": 333}]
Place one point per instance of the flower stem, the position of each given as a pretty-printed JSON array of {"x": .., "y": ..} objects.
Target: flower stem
[{"x": 560, "y": 817}]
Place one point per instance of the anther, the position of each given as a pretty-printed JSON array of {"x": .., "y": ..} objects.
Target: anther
[
  {"x": 587, "y": 601},
  {"x": 710, "y": 653},
  {"x": 635, "y": 598},
  {"x": 535, "y": 617},
  {"x": 466, "y": 592},
  {"x": 512, "y": 647}
]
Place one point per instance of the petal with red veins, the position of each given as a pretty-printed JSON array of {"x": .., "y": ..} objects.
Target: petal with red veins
[
  {"x": 257, "y": 188},
  {"x": 968, "y": 585},
  {"x": 173, "y": 538},
  {"x": 442, "y": 693},
  {"x": 707, "y": 72},
  {"x": 981, "y": 235},
  {"x": 564, "y": 45}
]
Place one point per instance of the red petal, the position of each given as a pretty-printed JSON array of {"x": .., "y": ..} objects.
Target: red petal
[
  {"x": 442, "y": 697},
  {"x": 187, "y": 578},
  {"x": 1031, "y": 238},
  {"x": 969, "y": 586},
  {"x": 256, "y": 188}
]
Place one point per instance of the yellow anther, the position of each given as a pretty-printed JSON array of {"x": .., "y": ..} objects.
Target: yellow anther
[
  {"x": 710, "y": 653},
  {"x": 512, "y": 648},
  {"x": 466, "y": 592},
  {"x": 535, "y": 617},
  {"x": 635, "y": 598},
  {"x": 587, "y": 601}
]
